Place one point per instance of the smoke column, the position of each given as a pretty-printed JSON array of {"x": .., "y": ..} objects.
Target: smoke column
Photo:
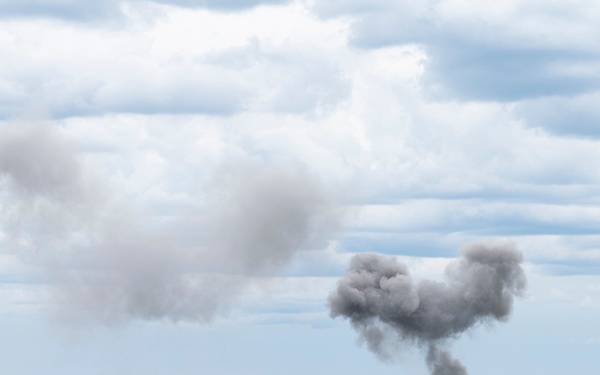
[{"x": 387, "y": 308}]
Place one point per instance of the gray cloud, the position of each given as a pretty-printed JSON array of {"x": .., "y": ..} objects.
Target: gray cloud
[
  {"x": 125, "y": 89},
  {"x": 478, "y": 71},
  {"x": 477, "y": 56},
  {"x": 108, "y": 262},
  {"x": 73, "y": 10},
  {"x": 388, "y": 308},
  {"x": 571, "y": 116},
  {"x": 222, "y": 5}
]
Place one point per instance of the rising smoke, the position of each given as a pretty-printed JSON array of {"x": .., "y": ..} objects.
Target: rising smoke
[
  {"x": 387, "y": 308},
  {"x": 105, "y": 261}
]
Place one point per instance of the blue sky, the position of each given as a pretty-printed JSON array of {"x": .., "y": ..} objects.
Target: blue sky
[{"x": 183, "y": 183}]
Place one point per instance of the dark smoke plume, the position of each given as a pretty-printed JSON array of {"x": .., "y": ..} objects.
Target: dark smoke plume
[{"x": 388, "y": 308}]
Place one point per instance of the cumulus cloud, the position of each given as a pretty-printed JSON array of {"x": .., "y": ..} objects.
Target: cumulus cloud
[
  {"x": 167, "y": 92},
  {"x": 108, "y": 262},
  {"x": 506, "y": 53},
  {"x": 387, "y": 308},
  {"x": 113, "y": 71},
  {"x": 293, "y": 81},
  {"x": 120, "y": 86}
]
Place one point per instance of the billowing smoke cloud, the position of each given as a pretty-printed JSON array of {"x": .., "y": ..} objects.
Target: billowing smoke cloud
[
  {"x": 388, "y": 308},
  {"x": 106, "y": 261}
]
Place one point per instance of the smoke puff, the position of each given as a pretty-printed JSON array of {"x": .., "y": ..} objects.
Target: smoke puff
[{"x": 386, "y": 306}]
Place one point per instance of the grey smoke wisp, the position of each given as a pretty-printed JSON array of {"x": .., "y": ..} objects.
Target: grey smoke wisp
[
  {"x": 261, "y": 215},
  {"x": 43, "y": 193},
  {"x": 441, "y": 363},
  {"x": 388, "y": 308},
  {"x": 106, "y": 261}
]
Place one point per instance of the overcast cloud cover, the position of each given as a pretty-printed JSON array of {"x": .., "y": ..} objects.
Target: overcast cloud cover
[{"x": 183, "y": 185}]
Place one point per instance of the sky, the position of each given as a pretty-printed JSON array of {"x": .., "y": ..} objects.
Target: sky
[{"x": 193, "y": 187}]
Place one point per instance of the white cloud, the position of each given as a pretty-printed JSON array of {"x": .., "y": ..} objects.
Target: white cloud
[
  {"x": 486, "y": 50},
  {"x": 182, "y": 62}
]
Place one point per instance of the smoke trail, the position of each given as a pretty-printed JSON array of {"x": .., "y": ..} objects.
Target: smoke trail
[
  {"x": 107, "y": 262},
  {"x": 441, "y": 363},
  {"x": 387, "y": 307}
]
